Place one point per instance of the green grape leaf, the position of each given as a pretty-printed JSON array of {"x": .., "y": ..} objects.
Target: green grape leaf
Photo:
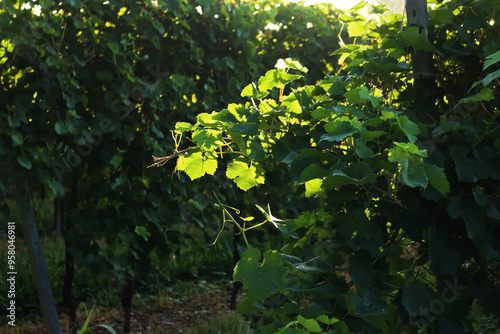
[
  {"x": 313, "y": 187},
  {"x": 207, "y": 139},
  {"x": 484, "y": 95},
  {"x": 403, "y": 151},
  {"x": 290, "y": 63},
  {"x": 491, "y": 59},
  {"x": 413, "y": 174},
  {"x": 252, "y": 91},
  {"x": 418, "y": 40},
  {"x": 260, "y": 279},
  {"x": 358, "y": 95},
  {"x": 358, "y": 28},
  {"x": 243, "y": 175},
  {"x": 371, "y": 135},
  {"x": 143, "y": 232},
  {"x": 183, "y": 127},
  {"x": 359, "y": 173},
  {"x": 310, "y": 324},
  {"x": 338, "y": 130},
  {"x": 437, "y": 178},
  {"x": 158, "y": 26},
  {"x": 256, "y": 151},
  {"x": 416, "y": 298},
  {"x": 56, "y": 187},
  {"x": 116, "y": 160},
  {"x": 197, "y": 164},
  {"x": 313, "y": 171},
  {"x": 24, "y": 161},
  {"x": 409, "y": 128},
  {"x": 362, "y": 150},
  {"x": 490, "y": 77},
  {"x": 17, "y": 138},
  {"x": 444, "y": 128},
  {"x": 276, "y": 78}
]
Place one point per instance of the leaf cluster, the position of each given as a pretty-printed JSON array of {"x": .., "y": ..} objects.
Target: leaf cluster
[{"x": 403, "y": 163}]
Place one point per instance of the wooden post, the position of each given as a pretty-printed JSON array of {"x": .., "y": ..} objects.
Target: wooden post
[
  {"x": 417, "y": 15},
  {"x": 41, "y": 276},
  {"x": 422, "y": 64}
]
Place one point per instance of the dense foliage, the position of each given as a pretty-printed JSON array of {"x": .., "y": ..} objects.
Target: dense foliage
[
  {"x": 90, "y": 89},
  {"x": 403, "y": 160}
]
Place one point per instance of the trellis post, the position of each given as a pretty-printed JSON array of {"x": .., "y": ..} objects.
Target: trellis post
[{"x": 37, "y": 260}]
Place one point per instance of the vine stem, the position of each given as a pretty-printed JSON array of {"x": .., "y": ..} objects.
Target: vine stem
[{"x": 160, "y": 161}]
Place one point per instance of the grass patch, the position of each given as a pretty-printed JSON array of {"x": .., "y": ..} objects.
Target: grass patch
[{"x": 223, "y": 323}]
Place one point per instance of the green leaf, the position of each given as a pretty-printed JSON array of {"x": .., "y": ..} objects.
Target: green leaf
[
  {"x": 437, "y": 178},
  {"x": 465, "y": 167},
  {"x": 116, "y": 160},
  {"x": 24, "y": 161},
  {"x": 260, "y": 279},
  {"x": 310, "y": 324},
  {"x": 60, "y": 128},
  {"x": 313, "y": 171},
  {"x": 371, "y": 135},
  {"x": 413, "y": 174},
  {"x": 357, "y": 96},
  {"x": 56, "y": 187},
  {"x": 417, "y": 298},
  {"x": 324, "y": 319},
  {"x": 338, "y": 130},
  {"x": 243, "y": 175},
  {"x": 207, "y": 139},
  {"x": 290, "y": 63},
  {"x": 444, "y": 128},
  {"x": 404, "y": 151},
  {"x": 357, "y": 28},
  {"x": 410, "y": 128},
  {"x": 358, "y": 173},
  {"x": 362, "y": 150},
  {"x": 183, "y": 127},
  {"x": 197, "y": 164},
  {"x": 479, "y": 195},
  {"x": 490, "y": 77},
  {"x": 491, "y": 59},
  {"x": 256, "y": 150},
  {"x": 178, "y": 79},
  {"x": 418, "y": 40},
  {"x": 17, "y": 138},
  {"x": 275, "y": 78},
  {"x": 158, "y": 26},
  {"x": 252, "y": 91},
  {"x": 484, "y": 95},
  {"x": 313, "y": 187},
  {"x": 143, "y": 232}
]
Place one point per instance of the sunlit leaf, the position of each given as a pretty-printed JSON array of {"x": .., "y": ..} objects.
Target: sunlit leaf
[
  {"x": 197, "y": 164},
  {"x": 245, "y": 176}
]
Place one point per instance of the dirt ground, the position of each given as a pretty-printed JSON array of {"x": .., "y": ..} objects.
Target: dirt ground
[{"x": 171, "y": 313}]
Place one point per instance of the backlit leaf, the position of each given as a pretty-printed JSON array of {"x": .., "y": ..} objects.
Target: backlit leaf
[
  {"x": 197, "y": 164},
  {"x": 245, "y": 176}
]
